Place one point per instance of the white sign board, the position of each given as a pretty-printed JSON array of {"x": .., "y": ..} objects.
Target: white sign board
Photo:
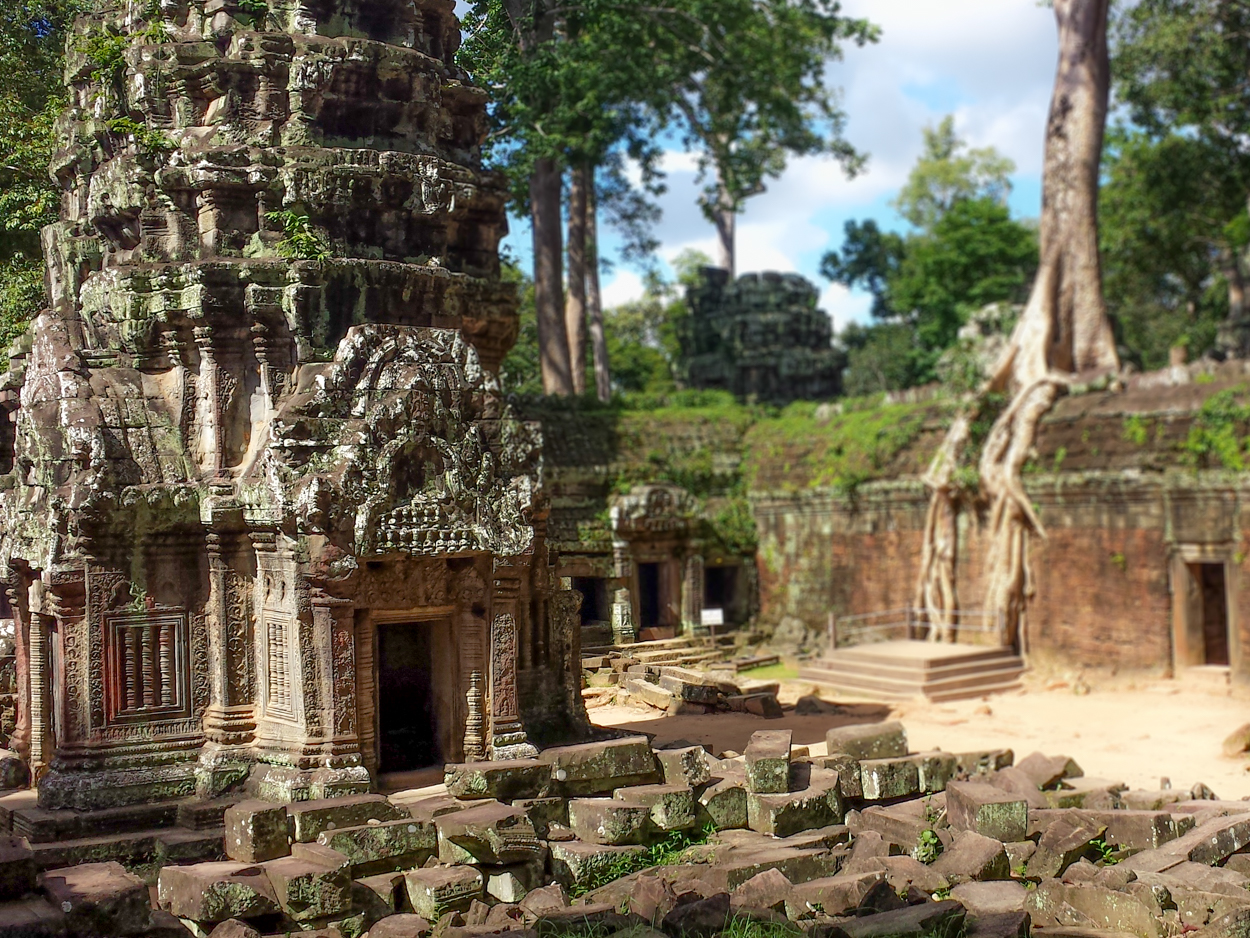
[{"x": 713, "y": 617}]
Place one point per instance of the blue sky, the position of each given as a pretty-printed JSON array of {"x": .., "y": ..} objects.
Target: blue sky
[{"x": 988, "y": 62}]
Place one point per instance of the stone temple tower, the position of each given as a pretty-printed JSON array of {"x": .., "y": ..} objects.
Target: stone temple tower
[{"x": 268, "y": 524}]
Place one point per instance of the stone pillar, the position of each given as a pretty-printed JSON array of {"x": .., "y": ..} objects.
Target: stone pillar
[
  {"x": 507, "y": 735},
  {"x": 230, "y": 718},
  {"x": 20, "y": 742},
  {"x": 692, "y": 596},
  {"x": 334, "y": 634},
  {"x": 624, "y": 631},
  {"x": 41, "y": 695}
]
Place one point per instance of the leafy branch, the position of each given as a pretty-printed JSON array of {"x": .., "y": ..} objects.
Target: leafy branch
[{"x": 299, "y": 241}]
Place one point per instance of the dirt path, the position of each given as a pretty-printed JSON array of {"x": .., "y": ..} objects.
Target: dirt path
[{"x": 1135, "y": 734}]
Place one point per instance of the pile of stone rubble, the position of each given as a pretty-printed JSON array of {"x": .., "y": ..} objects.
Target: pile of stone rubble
[
  {"x": 619, "y": 679},
  {"x": 866, "y": 842}
]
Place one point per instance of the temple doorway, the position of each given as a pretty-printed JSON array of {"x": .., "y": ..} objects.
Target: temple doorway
[
  {"x": 1214, "y": 604},
  {"x": 594, "y": 592},
  {"x": 649, "y": 600},
  {"x": 415, "y": 678}
]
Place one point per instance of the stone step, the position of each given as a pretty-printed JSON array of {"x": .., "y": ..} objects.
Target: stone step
[
  {"x": 41, "y": 825},
  {"x": 902, "y": 670},
  {"x": 904, "y": 685},
  {"x": 917, "y": 675},
  {"x": 136, "y": 848},
  {"x": 942, "y": 657}
]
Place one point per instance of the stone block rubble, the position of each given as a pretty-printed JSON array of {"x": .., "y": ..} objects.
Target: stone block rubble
[
  {"x": 675, "y": 689},
  {"x": 616, "y": 837}
]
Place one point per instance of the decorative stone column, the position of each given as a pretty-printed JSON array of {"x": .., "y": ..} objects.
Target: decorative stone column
[
  {"x": 624, "y": 631},
  {"x": 507, "y": 735},
  {"x": 692, "y": 596},
  {"x": 41, "y": 695}
]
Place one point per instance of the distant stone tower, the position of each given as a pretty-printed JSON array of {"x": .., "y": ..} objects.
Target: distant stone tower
[
  {"x": 267, "y": 520},
  {"x": 761, "y": 337}
]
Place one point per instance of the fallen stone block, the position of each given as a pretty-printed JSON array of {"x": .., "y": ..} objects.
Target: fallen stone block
[
  {"x": 724, "y": 803},
  {"x": 257, "y": 831},
  {"x": 428, "y": 808},
  {"x": 904, "y": 872},
  {"x": 608, "y": 821},
  {"x": 974, "y": 765},
  {"x": 701, "y": 919},
  {"x": 931, "y": 918},
  {"x": 990, "y": 898},
  {"x": 574, "y": 863},
  {"x": 539, "y": 902},
  {"x": 314, "y": 882},
  {"x": 768, "y": 762},
  {"x": 836, "y": 895},
  {"x": 689, "y": 685},
  {"x": 588, "y": 918},
  {"x": 847, "y": 767},
  {"x": 434, "y": 892},
  {"x": 505, "y": 780},
  {"x": 1048, "y": 771},
  {"x": 987, "y": 810},
  {"x": 887, "y": 779},
  {"x": 1064, "y": 842},
  {"x": 310, "y": 818},
  {"x": 379, "y": 894},
  {"x": 17, "y": 867},
  {"x": 1234, "y": 924},
  {"x": 602, "y": 767},
  {"x": 688, "y": 766},
  {"x": 767, "y": 890},
  {"x": 818, "y": 805},
  {"x": 1103, "y": 908},
  {"x": 505, "y": 886},
  {"x": 400, "y": 926},
  {"x": 31, "y": 918},
  {"x": 1138, "y": 800},
  {"x": 651, "y": 694},
  {"x": 868, "y": 740},
  {"x": 762, "y": 705},
  {"x": 544, "y": 812},
  {"x": 489, "y": 832},
  {"x": 99, "y": 899},
  {"x": 935, "y": 770},
  {"x": 972, "y": 857},
  {"x": 999, "y": 925},
  {"x": 1092, "y": 794},
  {"x": 214, "y": 892},
  {"x": 1015, "y": 782},
  {"x": 1209, "y": 843},
  {"x": 385, "y": 846},
  {"x": 672, "y": 806}
]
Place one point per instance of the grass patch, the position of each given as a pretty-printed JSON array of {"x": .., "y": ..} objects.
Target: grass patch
[
  {"x": 772, "y": 672},
  {"x": 668, "y": 852}
]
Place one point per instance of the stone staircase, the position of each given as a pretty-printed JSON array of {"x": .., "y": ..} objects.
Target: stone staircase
[
  {"x": 901, "y": 670},
  {"x": 684, "y": 652},
  {"x": 136, "y": 835}
]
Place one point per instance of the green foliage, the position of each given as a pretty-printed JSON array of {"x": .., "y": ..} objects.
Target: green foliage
[
  {"x": 1105, "y": 852},
  {"x": 1136, "y": 429},
  {"x": 21, "y": 297},
  {"x": 949, "y": 172},
  {"x": 667, "y": 852},
  {"x": 107, "y": 52},
  {"x": 256, "y": 10},
  {"x": 733, "y": 527},
  {"x": 148, "y": 140},
  {"x": 1217, "y": 438},
  {"x": 299, "y": 241},
  {"x": 928, "y": 847},
  {"x": 1120, "y": 561},
  {"x": 966, "y": 253},
  {"x": 842, "y": 452}
]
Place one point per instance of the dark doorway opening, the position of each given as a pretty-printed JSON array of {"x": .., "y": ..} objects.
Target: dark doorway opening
[
  {"x": 1214, "y": 598},
  {"x": 594, "y": 592},
  {"x": 720, "y": 585},
  {"x": 407, "y": 728},
  {"x": 649, "y": 595}
]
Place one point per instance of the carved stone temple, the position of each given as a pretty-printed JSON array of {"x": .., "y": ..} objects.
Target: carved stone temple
[{"x": 268, "y": 523}]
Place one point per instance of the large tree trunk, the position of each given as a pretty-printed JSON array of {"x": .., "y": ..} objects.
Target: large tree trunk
[
  {"x": 726, "y": 228},
  {"x": 575, "y": 302},
  {"x": 594, "y": 296},
  {"x": 1063, "y": 332},
  {"x": 553, "y": 344}
]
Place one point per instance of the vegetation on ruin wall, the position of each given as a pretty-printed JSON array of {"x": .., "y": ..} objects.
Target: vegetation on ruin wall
[{"x": 809, "y": 446}]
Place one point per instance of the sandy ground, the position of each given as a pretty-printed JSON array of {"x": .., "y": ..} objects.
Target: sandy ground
[{"x": 1133, "y": 733}]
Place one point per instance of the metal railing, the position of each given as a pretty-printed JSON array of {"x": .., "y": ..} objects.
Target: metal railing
[{"x": 971, "y": 627}]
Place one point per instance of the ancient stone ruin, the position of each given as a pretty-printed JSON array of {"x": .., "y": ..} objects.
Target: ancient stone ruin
[
  {"x": 267, "y": 521},
  {"x": 760, "y": 337}
]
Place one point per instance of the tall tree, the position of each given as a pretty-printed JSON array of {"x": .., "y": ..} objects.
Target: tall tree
[
  {"x": 948, "y": 172},
  {"x": 1182, "y": 67},
  {"x": 1063, "y": 332},
  {"x": 746, "y": 80}
]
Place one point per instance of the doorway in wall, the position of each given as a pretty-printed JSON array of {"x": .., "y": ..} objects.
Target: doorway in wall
[
  {"x": 1209, "y": 578},
  {"x": 649, "y": 600},
  {"x": 594, "y": 592},
  {"x": 408, "y": 725}
]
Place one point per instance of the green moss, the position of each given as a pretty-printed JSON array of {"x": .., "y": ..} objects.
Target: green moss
[
  {"x": 1136, "y": 429},
  {"x": 671, "y": 851},
  {"x": 772, "y": 672},
  {"x": 149, "y": 141},
  {"x": 1217, "y": 437},
  {"x": 842, "y": 452}
]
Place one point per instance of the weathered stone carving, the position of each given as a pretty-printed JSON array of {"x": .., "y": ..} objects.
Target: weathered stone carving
[{"x": 260, "y": 418}]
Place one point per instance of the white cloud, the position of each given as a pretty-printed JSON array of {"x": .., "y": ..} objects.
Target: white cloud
[{"x": 624, "y": 287}]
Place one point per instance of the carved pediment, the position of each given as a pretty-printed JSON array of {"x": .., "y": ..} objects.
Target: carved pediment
[{"x": 651, "y": 510}]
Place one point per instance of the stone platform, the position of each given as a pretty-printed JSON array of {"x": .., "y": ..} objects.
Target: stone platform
[{"x": 899, "y": 670}]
